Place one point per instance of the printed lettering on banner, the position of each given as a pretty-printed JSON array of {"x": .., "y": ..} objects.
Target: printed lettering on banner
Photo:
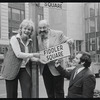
[{"x": 56, "y": 52}]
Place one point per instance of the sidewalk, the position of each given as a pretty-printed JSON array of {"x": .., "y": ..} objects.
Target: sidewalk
[{"x": 42, "y": 91}]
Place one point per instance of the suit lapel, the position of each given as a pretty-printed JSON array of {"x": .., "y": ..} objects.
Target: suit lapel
[
  {"x": 71, "y": 78},
  {"x": 52, "y": 39},
  {"x": 77, "y": 77}
]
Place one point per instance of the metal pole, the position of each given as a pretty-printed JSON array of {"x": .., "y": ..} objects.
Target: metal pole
[
  {"x": 35, "y": 76},
  {"x": 95, "y": 31}
]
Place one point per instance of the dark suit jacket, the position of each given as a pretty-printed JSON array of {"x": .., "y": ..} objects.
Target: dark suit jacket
[{"x": 82, "y": 86}]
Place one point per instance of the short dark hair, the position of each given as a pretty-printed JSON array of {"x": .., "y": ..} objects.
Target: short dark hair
[{"x": 86, "y": 57}]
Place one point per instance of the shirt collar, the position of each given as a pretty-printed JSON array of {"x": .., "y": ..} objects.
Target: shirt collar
[{"x": 80, "y": 69}]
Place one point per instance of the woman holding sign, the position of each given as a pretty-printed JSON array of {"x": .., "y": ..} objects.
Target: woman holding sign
[
  {"x": 47, "y": 38},
  {"x": 18, "y": 61}
]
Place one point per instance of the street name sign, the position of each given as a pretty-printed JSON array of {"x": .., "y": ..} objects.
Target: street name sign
[
  {"x": 56, "y": 52},
  {"x": 58, "y": 5}
]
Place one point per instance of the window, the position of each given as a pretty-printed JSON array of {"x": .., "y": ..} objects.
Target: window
[
  {"x": 98, "y": 43},
  {"x": 22, "y": 15},
  {"x": 78, "y": 45},
  {"x": 92, "y": 12},
  {"x": 99, "y": 9},
  {"x": 14, "y": 29},
  {"x": 96, "y": 9},
  {"x": 91, "y": 9},
  {"x": 9, "y": 33},
  {"x": 86, "y": 11},
  {"x": 16, "y": 14},
  {"x": 93, "y": 57},
  {"x": 92, "y": 24},
  {"x": 98, "y": 58},
  {"x": 96, "y": 24},
  {"x": 40, "y": 17},
  {"x": 2, "y": 49},
  {"x": 92, "y": 44},
  {"x": 87, "y": 26},
  {"x": 1, "y": 62},
  {"x": 9, "y": 13},
  {"x": 87, "y": 45},
  {"x": 92, "y": 27}
]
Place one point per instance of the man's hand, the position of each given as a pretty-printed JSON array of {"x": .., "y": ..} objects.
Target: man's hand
[
  {"x": 37, "y": 55},
  {"x": 70, "y": 41},
  {"x": 42, "y": 59},
  {"x": 57, "y": 62}
]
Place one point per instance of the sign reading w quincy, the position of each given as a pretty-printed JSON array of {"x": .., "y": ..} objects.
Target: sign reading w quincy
[{"x": 55, "y": 52}]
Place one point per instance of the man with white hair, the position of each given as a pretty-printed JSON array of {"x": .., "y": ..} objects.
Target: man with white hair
[{"x": 54, "y": 82}]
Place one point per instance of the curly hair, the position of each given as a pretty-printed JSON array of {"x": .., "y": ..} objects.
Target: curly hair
[
  {"x": 27, "y": 22},
  {"x": 86, "y": 58}
]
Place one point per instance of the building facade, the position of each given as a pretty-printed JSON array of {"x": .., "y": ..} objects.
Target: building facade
[
  {"x": 92, "y": 30},
  {"x": 67, "y": 17}
]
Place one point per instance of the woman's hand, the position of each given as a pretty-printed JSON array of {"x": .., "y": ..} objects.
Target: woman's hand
[
  {"x": 35, "y": 59},
  {"x": 37, "y": 55},
  {"x": 38, "y": 60}
]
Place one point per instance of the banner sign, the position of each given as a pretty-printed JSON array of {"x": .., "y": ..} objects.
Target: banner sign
[
  {"x": 56, "y": 52},
  {"x": 52, "y": 5}
]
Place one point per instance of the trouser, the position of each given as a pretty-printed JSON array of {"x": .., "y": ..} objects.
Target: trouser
[
  {"x": 54, "y": 84},
  {"x": 25, "y": 83}
]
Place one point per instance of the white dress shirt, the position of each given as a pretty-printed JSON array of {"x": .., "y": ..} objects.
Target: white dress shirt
[{"x": 79, "y": 70}]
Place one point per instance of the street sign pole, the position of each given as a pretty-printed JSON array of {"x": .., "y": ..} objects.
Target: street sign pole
[{"x": 35, "y": 76}]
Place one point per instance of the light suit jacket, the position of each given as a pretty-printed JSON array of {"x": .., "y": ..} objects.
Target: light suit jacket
[{"x": 55, "y": 38}]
